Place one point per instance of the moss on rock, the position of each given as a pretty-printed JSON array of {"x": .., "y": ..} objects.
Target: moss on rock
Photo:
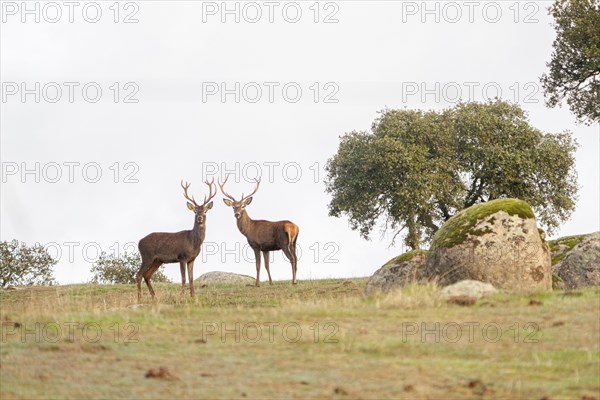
[
  {"x": 562, "y": 246},
  {"x": 405, "y": 257},
  {"x": 398, "y": 272},
  {"x": 557, "y": 282},
  {"x": 458, "y": 227}
]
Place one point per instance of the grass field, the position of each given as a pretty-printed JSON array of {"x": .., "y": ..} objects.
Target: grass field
[{"x": 320, "y": 339}]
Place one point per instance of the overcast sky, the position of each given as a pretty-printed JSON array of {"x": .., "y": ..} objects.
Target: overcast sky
[{"x": 107, "y": 106}]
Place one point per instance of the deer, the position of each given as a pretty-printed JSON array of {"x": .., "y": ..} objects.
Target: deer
[
  {"x": 171, "y": 247},
  {"x": 263, "y": 236}
]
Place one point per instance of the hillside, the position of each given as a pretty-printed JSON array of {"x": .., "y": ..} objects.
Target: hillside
[{"x": 320, "y": 339}]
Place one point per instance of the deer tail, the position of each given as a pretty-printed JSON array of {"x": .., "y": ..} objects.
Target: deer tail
[{"x": 292, "y": 232}]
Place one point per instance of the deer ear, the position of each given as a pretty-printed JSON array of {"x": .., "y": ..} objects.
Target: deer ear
[
  {"x": 247, "y": 201},
  {"x": 190, "y": 206},
  {"x": 209, "y": 205},
  {"x": 228, "y": 202}
]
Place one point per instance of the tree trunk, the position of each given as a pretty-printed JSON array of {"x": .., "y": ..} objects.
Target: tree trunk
[{"x": 413, "y": 239}]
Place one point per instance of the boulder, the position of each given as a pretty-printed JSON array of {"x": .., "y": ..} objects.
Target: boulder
[
  {"x": 397, "y": 272},
  {"x": 468, "y": 288},
  {"x": 223, "y": 277},
  {"x": 559, "y": 248},
  {"x": 580, "y": 265},
  {"x": 496, "y": 242}
]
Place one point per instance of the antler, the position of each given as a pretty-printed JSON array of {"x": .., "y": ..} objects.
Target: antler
[
  {"x": 223, "y": 190},
  {"x": 243, "y": 197},
  {"x": 210, "y": 191},
  {"x": 185, "y": 192},
  {"x": 255, "y": 190}
]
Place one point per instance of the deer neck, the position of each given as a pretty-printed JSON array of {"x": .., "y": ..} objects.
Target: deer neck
[
  {"x": 198, "y": 232},
  {"x": 244, "y": 223}
]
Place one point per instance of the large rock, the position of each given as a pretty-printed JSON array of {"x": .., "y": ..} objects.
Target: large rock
[
  {"x": 497, "y": 242},
  {"x": 397, "y": 272},
  {"x": 579, "y": 266},
  {"x": 468, "y": 288},
  {"x": 223, "y": 277},
  {"x": 559, "y": 248}
]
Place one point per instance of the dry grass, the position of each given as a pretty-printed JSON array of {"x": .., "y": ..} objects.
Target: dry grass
[{"x": 406, "y": 344}]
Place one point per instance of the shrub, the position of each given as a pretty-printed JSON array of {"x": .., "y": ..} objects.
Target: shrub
[
  {"x": 25, "y": 265},
  {"x": 110, "y": 269}
]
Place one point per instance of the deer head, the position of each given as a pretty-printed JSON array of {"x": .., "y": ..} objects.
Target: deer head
[
  {"x": 200, "y": 210},
  {"x": 238, "y": 205}
]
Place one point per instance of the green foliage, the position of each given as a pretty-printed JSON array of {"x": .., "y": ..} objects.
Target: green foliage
[
  {"x": 24, "y": 265},
  {"x": 417, "y": 169},
  {"x": 110, "y": 269},
  {"x": 457, "y": 228},
  {"x": 574, "y": 70}
]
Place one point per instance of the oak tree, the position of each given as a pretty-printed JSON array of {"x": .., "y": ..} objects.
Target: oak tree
[
  {"x": 416, "y": 169},
  {"x": 574, "y": 69}
]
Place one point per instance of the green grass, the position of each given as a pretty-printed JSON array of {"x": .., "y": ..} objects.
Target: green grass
[
  {"x": 351, "y": 346},
  {"x": 456, "y": 230}
]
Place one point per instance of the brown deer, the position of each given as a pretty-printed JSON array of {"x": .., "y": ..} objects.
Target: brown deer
[
  {"x": 183, "y": 247},
  {"x": 264, "y": 235}
]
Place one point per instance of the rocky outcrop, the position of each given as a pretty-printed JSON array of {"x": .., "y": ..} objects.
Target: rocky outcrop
[
  {"x": 223, "y": 277},
  {"x": 559, "y": 248},
  {"x": 397, "y": 272},
  {"x": 578, "y": 260},
  {"x": 497, "y": 242}
]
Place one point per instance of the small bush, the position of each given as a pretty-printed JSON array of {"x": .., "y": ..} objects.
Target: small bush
[
  {"x": 112, "y": 270},
  {"x": 25, "y": 265}
]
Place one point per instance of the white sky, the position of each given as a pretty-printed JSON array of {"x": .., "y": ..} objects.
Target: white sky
[{"x": 176, "y": 58}]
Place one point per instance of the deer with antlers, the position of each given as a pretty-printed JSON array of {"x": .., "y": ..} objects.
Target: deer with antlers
[
  {"x": 264, "y": 236},
  {"x": 183, "y": 247}
]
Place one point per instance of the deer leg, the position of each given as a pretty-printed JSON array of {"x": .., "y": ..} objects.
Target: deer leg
[
  {"x": 290, "y": 253},
  {"x": 190, "y": 269},
  {"x": 139, "y": 276},
  {"x": 148, "y": 276},
  {"x": 294, "y": 263},
  {"x": 257, "y": 256},
  {"x": 182, "y": 269},
  {"x": 292, "y": 247},
  {"x": 266, "y": 257},
  {"x": 149, "y": 284}
]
